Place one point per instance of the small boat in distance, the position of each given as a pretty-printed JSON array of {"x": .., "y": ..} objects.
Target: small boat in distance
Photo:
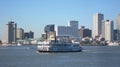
[
  {"x": 113, "y": 44},
  {"x": 18, "y": 44}
]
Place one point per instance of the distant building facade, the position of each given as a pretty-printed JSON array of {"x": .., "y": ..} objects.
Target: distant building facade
[
  {"x": 74, "y": 28},
  {"x": 103, "y": 29},
  {"x": 97, "y": 24},
  {"x": 115, "y": 34},
  {"x": 43, "y": 36},
  {"x": 63, "y": 31},
  {"x": 11, "y": 28},
  {"x": 28, "y": 35},
  {"x": 0, "y": 42},
  {"x": 108, "y": 30},
  {"x": 49, "y": 28},
  {"x": 20, "y": 34},
  {"x": 118, "y": 27},
  {"x": 31, "y": 34},
  {"x": 70, "y": 30},
  {"x": 49, "y": 32},
  {"x": 83, "y": 32}
]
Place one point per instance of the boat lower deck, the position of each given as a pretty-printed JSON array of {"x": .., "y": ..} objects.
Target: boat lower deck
[{"x": 41, "y": 51}]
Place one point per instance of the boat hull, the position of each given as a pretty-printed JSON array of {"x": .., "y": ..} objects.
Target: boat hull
[{"x": 59, "y": 49}]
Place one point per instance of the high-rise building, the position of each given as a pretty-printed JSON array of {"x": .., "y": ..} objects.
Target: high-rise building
[
  {"x": 103, "y": 29},
  {"x": 115, "y": 34},
  {"x": 118, "y": 27},
  {"x": 109, "y": 30},
  {"x": 43, "y": 36},
  {"x": 81, "y": 31},
  {"x": 20, "y": 34},
  {"x": 70, "y": 30},
  {"x": 11, "y": 32},
  {"x": 63, "y": 31},
  {"x": 31, "y": 34},
  {"x": 97, "y": 24},
  {"x": 49, "y": 28},
  {"x": 84, "y": 32},
  {"x": 74, "y": 28},
  {"x": 28, "y": 35},
  {"x": 50, "y": 32}
]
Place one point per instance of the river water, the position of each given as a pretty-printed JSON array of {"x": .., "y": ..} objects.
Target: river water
[{"x": 91, "y": 56}]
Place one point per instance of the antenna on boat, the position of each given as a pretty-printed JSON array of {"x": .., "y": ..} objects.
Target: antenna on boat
[
  {"x": 55, "y": 36},
  {"x": 46, "y": 35}
]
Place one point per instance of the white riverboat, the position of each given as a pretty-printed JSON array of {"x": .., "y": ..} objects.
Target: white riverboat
[
  {"x": 54, "y": 43},
  {"x": 59, "y": 47}
]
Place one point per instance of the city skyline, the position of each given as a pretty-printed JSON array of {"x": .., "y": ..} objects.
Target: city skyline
[{"x": 34, "y": 15}]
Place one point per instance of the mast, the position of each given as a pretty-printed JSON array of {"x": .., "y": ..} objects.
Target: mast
[
  {"x": 55, "y": 36},
  {"x": 46, "y": 35}
]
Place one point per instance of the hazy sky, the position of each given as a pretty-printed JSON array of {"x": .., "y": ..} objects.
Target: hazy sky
[{"x": 35, "y": 14}]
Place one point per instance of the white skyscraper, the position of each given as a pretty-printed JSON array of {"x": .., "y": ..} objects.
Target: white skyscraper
[
  {"x": 103, "y": 29},
  {"x": 109, "y": 30},
  {"x": 20, "y": 34},
  {"x": 97, "y": 24},
  {"x": 118, "y": 27},
  {"x": 11, "y": 32}
]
